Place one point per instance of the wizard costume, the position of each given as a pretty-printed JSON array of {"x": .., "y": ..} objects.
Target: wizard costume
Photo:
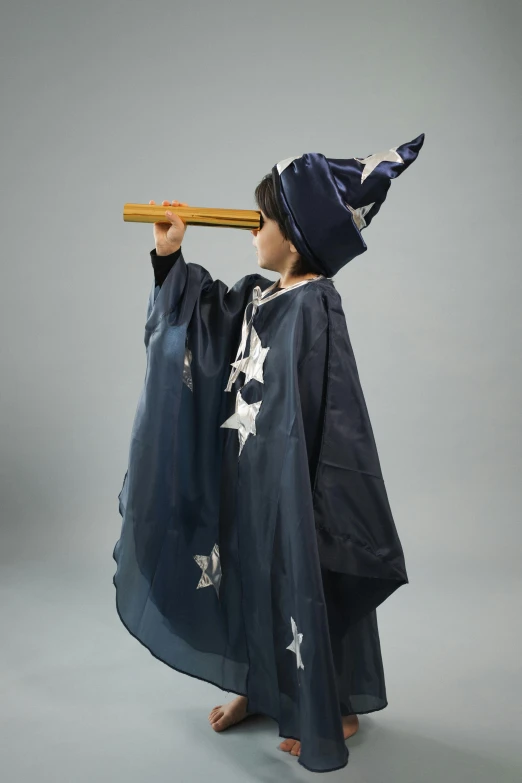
[{"x": 257, "y": 539}]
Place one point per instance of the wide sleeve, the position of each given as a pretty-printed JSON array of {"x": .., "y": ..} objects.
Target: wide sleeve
[
  {"x": 192, "y": 329},
  {"x": 180, "y": 288}
]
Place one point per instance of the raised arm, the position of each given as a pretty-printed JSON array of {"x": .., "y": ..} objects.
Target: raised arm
[{"x": 162, "y": 265}]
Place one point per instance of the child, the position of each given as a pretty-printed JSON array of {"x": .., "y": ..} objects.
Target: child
[{"x": 255, "y": 474}]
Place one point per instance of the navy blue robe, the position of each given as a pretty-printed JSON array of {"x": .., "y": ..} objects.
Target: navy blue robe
[{"x": 258, "y": 566}]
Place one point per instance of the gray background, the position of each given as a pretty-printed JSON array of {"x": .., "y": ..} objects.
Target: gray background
[{"x": 109, "y": 102}]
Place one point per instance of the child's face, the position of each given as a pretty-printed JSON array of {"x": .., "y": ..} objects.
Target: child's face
[{"x": 274, "y": 252}]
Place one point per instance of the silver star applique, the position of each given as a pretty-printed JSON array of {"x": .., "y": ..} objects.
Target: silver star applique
[
  {"x": 252, "y": 365},
  {"x": 378, "y": 157},
  {"x": 295, "y": 645},
  {"x": 281, "y": 166},
  {"x": 244, "y": 419},
  {"x": 358, "y": 214},
  {"x": 211, "y": 567},
  {"x": 187, "y": 373}
]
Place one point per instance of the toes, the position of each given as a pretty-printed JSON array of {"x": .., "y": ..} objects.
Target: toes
[
  {"x": 215, "y": 717},
  {"x": 289, "y": 745},
  {"x": 295, "y": 751}
]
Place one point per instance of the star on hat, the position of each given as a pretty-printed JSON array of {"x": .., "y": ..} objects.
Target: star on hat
[
  {"x": 378, "y": 157},
  {"x": 358, "y": 214}
]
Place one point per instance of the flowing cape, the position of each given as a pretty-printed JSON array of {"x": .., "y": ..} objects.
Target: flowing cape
[{"x": 232, "y": 565}]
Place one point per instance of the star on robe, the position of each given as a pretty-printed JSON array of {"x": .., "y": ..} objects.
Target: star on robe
[
  {"x": 211, "y": 567},
  {"x": 378, "y": 157},
  {"x": 187, "y": 373},
  {"x": 358, "y": 214},
  {"x": 252, "y": 365},
  {"x": 244, "y": 419},
  {"x": 295, "y": 645}
]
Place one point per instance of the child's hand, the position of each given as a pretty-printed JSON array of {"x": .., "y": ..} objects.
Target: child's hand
[{"x": 168, "y": 236}]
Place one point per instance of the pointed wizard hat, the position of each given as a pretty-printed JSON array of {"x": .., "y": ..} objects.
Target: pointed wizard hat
[{"x": 328, "y": 201}]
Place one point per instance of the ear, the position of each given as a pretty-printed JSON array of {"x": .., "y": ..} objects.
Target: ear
[{"x": 293, "y": 248}]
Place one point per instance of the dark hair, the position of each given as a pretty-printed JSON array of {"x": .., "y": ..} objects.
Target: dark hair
[{"x": 266, "y": 200}]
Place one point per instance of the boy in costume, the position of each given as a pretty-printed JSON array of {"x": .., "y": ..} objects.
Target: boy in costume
[{"x": 257, "y": 539}]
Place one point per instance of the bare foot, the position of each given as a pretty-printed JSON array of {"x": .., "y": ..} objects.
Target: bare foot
[
  {"x": 350, "y": 726},
  {"x": 225, "y": 715}
]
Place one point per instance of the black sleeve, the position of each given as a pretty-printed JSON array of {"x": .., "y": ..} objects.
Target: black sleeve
[
  {"x": 163, "y": 264},
  {"x": 312, "y": 388}
]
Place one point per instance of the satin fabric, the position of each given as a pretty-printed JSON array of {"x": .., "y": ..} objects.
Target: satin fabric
[
  {"x": 318, "y": 196},
  {"x": 301, "y": 552}
]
